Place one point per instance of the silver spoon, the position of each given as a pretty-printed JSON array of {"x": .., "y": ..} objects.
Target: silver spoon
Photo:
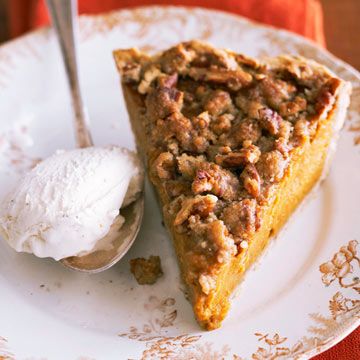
[{"x": 118, "y": 241}]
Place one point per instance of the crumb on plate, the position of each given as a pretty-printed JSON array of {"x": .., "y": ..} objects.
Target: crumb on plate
[{"x": 146, "y": 271}]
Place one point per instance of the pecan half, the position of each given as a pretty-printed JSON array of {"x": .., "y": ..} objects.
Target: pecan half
[
  {"x": 246, "y": 155},
  {"x": 270, "y": 120},
  {"x": 162, "y": 102},
  {"x": 212, "y": 178},
  {"x": 234, "y": 79},
  {"x": 218, "y": 102},
  {"x": 251, "y": 180}
]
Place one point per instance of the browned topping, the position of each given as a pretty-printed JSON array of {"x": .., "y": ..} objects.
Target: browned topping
[
  {"x": 292, "y": 107},
  {"x": 188, "y": 164},
  {"x": 218, "y": 102},
  {"x": 326, "y": 94},
  {"x": 271, "y": 166},
  {"x": 221, "y": 130},
  {"x": 200, "y": 205},
  {"x": 245, "y": 129},
  {"x": 146, "y": 271},
  {"x": 240, "y": 217},
  {"x": 270, "y": 120},
  {"x": 234, "y": 79},
  {"x": 251, "y": 180},
  {"x": 246, "y": 155},
  {"x": 164, "y": 101},
  {"x": 212, "y": 178},
  {"x": 164, "y": 165}
]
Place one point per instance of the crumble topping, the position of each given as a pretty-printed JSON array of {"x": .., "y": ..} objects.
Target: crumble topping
[
  {"x": 221, "y": 128},
  {"x": 146, "y": 271}
]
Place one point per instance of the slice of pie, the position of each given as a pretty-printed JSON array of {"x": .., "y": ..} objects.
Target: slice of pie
[{"x": 232, "y": 145}]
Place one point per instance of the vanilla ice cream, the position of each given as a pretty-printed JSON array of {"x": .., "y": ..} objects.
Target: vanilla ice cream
[{"x": 68, "y": 202}]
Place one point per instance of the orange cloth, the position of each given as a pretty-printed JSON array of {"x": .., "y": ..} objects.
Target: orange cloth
[
  {"x": 280, "y": 13},
  {"x": 301, "y": 16},
  {"x": 347, "y": 349}
]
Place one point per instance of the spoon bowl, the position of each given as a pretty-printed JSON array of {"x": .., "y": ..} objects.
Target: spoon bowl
[
  {"x": 111, "y": 248},
  {"x": 115, "y": 244}
]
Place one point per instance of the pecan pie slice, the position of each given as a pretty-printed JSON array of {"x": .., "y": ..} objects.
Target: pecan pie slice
[{"x": 232, "y": 145}]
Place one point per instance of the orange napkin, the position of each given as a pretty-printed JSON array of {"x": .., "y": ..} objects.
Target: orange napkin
[
  {"x": 25, "y": 14},
  {"x": 301, "y": 16}
]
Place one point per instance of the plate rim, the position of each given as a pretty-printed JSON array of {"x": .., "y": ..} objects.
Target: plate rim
[{"x": 352, "y": 323}]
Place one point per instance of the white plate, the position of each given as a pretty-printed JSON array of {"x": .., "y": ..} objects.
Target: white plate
[{"x": 284, "y": 308}]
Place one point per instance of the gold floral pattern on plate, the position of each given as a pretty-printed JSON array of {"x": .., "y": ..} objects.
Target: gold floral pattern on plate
[{"x": 343, "y": 267}]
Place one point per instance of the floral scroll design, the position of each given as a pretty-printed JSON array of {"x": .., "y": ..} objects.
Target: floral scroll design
[
  {"x": 276, "y": 347},
  {"x": 341, "y": 269},
  {"x": 162, "y": 315},
  {"x": 341, "y": 265}
]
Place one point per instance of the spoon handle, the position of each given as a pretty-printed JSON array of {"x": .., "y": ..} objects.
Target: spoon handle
[{"x": 63, "y": 15}]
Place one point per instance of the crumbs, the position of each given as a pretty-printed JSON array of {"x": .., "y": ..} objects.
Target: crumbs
[{"x": 146, "y": 271}]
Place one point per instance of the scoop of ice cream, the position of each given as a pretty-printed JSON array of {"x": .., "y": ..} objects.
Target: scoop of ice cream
[{"x": 68, "y": 202}]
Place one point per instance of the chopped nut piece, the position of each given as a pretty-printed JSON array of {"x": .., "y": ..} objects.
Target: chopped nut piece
[
  {"x": 301, "y": 132},
  {"x": 218, "y": 102},
  {"x": 293, "y": 107},
  {"x": 222, "y": 123},
  {"x": 270, "y": 120},
  {"x": 189, "y": 164},
  {"x": 240, "y": 217},
  {"x": 247, "y": 129},
  {"x": 326, "y": 95},
  {"x": 146, "y": 271},
  {"x": 271, "y": 166},
  {"x": 168, "y": 81},
  {"x": 149, "y": 76},
  {"x": 234, "y": 79},
  {"x": 275, "y": 91},
  {"x": 285, "y": 129},
  {"x": 164, "y": 101},
  {"x": 202, "y": 205},
  {"x": 212, "y": 178},
  {"x": 165, "y": 165},
  {"x": 202, "y": 121},
  {"x": 248, "y": 155},
  {"x": 176, "y": 59},
  {"x": 252, "y": 181}
]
